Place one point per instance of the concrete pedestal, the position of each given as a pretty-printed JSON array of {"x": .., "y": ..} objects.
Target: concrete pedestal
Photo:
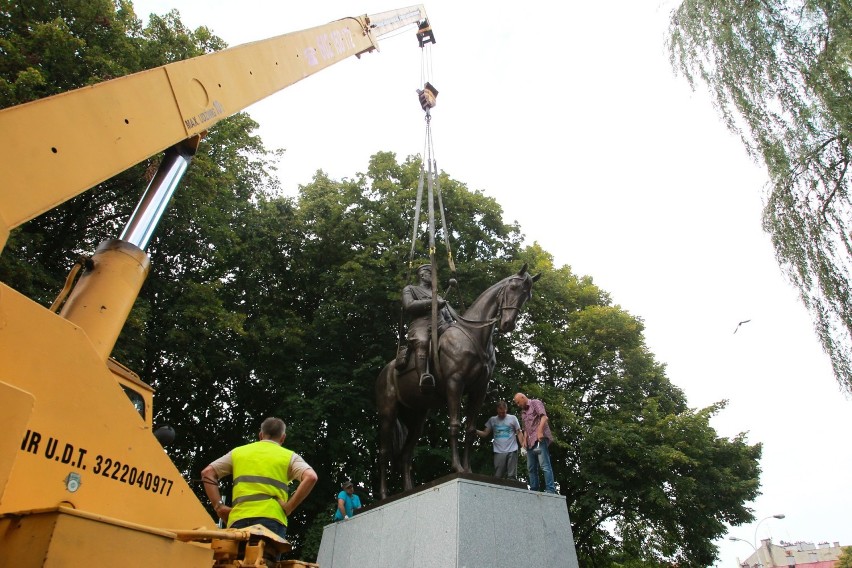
[{"x": 461, "y": 522}]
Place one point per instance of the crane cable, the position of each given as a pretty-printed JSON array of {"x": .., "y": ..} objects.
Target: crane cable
[
  {"x": 430, "y": 179},
  {"x": 429, "y": 170},
  {"x": 429, "y": 165}
]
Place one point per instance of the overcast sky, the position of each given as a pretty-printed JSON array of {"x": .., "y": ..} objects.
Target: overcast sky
[{"x": 569, "y": 115}]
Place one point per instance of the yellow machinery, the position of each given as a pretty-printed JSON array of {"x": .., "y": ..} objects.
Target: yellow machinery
[{"x": 83, "y": 480}]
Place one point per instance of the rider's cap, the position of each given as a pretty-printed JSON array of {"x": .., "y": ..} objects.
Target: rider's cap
[
  {"x": 427, "y": 265},
  {"x": 346, "y": 484}
]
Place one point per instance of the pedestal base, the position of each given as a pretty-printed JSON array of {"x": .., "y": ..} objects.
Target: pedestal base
[{"x": 461, "y": 522}]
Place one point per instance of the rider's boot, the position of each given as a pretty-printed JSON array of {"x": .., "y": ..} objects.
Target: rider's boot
[{"x": 427, "y": 381}]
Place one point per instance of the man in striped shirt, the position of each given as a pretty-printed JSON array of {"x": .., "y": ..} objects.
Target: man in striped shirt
[{"x": 536, "y": 440}]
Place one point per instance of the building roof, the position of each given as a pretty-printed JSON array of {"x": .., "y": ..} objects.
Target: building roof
[{"x": 788, "y": 554}]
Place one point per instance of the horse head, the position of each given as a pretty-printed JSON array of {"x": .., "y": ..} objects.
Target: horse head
[{"x": 514, "y": 293}]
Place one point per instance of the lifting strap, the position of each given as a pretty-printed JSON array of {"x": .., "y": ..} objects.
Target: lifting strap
[
  {"x": 429, "y": 169},
  {"x": 427, "y": 97}
]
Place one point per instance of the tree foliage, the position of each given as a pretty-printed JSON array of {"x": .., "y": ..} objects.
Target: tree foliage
[
  {"x": 647, "y": 478},
  {"x": 259, "y": 305},
  {"x": 845, "y": 558},
  {"x": 780, "y": 75}
]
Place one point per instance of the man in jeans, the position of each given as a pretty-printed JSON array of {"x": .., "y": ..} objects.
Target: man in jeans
[{"x": 536, "y": 439}]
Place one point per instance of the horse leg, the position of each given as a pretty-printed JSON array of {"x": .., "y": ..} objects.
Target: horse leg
[
  {"x": 385, "y": 451},
  {"x": 414, "y": 421},
  {"x": 386, "y": 403},
  {"x": 474, "y": 405},
  {"x": 455, "y": 390}
]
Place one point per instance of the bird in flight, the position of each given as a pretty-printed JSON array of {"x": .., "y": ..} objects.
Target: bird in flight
[{"x": 739, "y": 324}]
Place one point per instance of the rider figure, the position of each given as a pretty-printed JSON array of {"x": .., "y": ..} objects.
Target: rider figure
[{"x": 417, "y": 303}]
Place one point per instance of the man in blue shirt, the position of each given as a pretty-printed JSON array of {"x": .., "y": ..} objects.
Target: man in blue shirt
[
  {"x": 507, "y": 433},
  {"x": 347, "y": 502}
]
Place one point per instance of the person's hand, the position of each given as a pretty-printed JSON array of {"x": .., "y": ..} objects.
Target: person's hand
[
  {"x": 223, "y": 511},
  {"x": 523, "y": 452}
]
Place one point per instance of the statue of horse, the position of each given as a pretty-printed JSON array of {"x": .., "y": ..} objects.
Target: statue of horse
[{"x": 466, "y": 363}]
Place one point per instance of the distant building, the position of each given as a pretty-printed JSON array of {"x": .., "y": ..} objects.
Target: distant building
[{"x": 793, "y": 555}]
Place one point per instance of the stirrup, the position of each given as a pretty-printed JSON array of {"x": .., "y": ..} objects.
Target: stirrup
[{"x": 427, "y": 383}]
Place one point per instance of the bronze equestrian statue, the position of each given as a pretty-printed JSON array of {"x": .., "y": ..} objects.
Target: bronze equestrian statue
[
  {"x": 466, "y": 364},
  {"x": 417, "y": 305}
]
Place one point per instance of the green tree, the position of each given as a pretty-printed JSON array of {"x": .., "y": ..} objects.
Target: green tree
[
  {"x": 647, "y": 479},
  {"x": 779, "y": 73},
  {"x": 190, "y": 326},
  {"x": 845, "y": 558},
  {"x": 51, "y": 47}
]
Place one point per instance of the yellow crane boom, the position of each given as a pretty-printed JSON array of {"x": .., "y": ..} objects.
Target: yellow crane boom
[{"x": 92, "y": 133}]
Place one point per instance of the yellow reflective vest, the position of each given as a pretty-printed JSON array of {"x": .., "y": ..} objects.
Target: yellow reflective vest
[{"x": 260, "y": 480}]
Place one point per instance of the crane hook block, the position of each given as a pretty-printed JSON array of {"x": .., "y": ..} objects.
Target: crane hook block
[
  {"x": 427, "y": 96},
  {"x": 425, "y": 34}
]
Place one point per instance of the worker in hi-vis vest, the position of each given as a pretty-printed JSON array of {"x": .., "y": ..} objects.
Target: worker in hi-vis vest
[{"x": 262, "y": 474}]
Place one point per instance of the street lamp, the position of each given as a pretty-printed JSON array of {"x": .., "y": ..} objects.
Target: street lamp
[
  {"x": 743, "y": 540},
  {"x": 778, "y": 516},
  {"x": 753, "y": 544},
  {"x": 753, "y": 547}
]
